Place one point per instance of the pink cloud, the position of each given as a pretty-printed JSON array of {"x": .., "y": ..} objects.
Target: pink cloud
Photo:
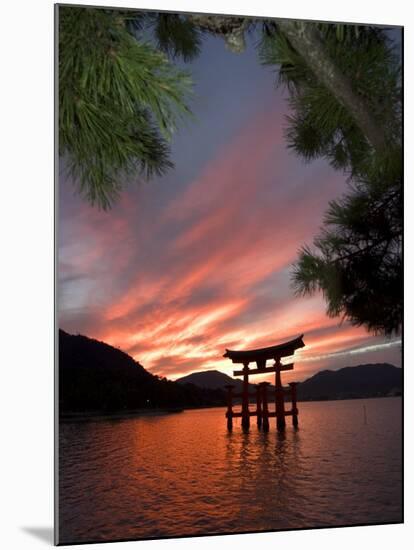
[{"x": 175, "y": 283}]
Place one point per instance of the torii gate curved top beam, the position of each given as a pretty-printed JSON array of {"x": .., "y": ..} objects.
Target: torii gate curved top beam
[{"x": 273, "y": 352}]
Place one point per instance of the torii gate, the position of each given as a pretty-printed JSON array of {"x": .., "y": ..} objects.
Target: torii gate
[{"x": 260, "y": 356}]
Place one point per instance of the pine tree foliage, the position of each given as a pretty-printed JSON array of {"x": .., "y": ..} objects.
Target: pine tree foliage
[
  {"x": 319, "y": 125},
  {"x": 356, "y": 261},
  {"x": 120, "y": 100},
  {"x": 176, "y": 35}
]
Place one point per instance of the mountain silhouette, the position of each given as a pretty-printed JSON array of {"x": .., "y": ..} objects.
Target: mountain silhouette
[
  {"x": 368, "y": 380},
  {"x": 95, "y": 377},
  {"x": 212, "y": 379}
]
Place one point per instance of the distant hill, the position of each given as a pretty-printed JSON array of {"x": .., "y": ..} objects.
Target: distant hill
[
  {"x": 96, "y": 377},
  {"x": 371, "y": 380},
  {"x": 212, "y": 379},
  {"x": 350, "y": 382}
]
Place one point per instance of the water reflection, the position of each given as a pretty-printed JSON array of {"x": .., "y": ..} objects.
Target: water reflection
[{"x": 186, "y": 474}]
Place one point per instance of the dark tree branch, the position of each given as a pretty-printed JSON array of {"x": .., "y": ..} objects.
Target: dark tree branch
[
  {"x": 306, "y": 40},
  {"x": 231, "y": 29}
]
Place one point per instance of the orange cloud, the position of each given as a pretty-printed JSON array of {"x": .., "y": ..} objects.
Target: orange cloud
[{"x": 175, "y": 282}]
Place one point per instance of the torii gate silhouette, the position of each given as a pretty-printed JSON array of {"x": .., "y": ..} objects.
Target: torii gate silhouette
[{"x": 260, "y": 356}]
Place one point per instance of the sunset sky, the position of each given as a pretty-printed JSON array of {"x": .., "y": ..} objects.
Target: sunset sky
[{"x": 199, "y": 261}]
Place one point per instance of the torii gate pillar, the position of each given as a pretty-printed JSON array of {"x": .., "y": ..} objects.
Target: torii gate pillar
[
  {"x": 245, "y": 398},
  {"x": 279, "y": 399}
]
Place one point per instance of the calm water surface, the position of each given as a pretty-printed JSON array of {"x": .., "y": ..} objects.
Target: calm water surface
[{"x": 184, "y": 474}]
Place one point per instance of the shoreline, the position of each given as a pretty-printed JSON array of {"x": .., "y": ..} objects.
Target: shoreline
[{"x": 120, "y": 415}]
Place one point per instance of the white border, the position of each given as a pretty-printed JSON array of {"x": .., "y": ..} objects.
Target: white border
[{"x": 26, "y": 275}]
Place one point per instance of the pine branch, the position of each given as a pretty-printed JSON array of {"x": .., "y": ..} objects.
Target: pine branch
[
  {"x": 120, "y": 101},
  {"x": 307, "y": 41}
]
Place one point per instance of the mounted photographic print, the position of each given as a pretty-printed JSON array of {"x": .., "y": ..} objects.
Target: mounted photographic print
[{"x": 230, "y": 277}]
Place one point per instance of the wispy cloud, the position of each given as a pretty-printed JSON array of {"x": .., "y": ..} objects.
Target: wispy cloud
[
  {"x": 175, "y": 278},
  {"x": 354, "y": 351}
]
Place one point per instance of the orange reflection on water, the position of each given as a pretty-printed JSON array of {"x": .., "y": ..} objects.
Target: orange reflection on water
[{"x": 185, "y": 474}]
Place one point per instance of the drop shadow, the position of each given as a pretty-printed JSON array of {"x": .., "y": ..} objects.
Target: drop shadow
[{"x": 44, "y": 534}]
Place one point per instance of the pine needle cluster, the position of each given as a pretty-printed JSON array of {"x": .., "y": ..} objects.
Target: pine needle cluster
[{"x": 120, "y": 100}]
